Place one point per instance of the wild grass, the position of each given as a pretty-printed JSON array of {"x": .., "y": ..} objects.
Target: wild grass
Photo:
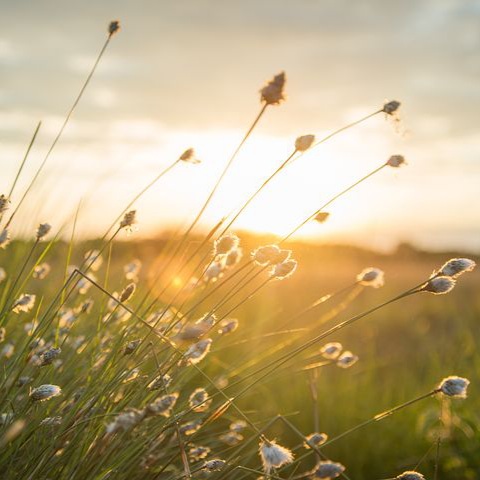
[{"x": 211, "y": 355}]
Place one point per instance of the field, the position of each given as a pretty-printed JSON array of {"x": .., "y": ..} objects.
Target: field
[{"x": 226, "y": 354}]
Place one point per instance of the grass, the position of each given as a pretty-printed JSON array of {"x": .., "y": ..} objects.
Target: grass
[{"x": 101, "y": 366}]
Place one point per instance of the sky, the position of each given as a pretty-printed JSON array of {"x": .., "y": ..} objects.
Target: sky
[{"x": 187, "y": 74}]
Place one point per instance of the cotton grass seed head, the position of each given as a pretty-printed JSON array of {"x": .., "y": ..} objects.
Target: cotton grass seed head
[
  {"x": 214, "y": 465},
  {"x": 162, "y": 405},
  {"x": 396, "y": 161},
  {"x": 303, "y": 143},
  {"x": 45, "y": 392},
  {"x": 410, "y": 475},
  {"x": 188, "y": 156},
  {"x": 454, "y": 387},
  {"x": 331, "y": 350},
  {"x": 131, "y": 346},
  {"x": 227, "y": 326},
  {"x": 132, "y": 269},
  {"x": 198, "y": 452},
  {"x": 456, "y": 267},
  {"x": 198, "y": 351},
  {"x": 231, "y": 438},
  {"x": 391, "y": 107},
  {"x": 41, "y": 271},
  {"x": 439, "y": 285},
  {"x": 284, "y": 269},
  {"x": 129, "y": 219},
  {"x": 371, "y": 277},
  {"x": 315, "y": 440},
  {"x": 113, "y": 27},
  {"x": 347, "y": 359},
  {"x": 233, "y": 257},
  {"x": 24, "y": 303},
  {"x": 4, "y": 238},
  {"x": 321, "y": 217},
  {"x": 160, "y": 381},
  {"x": 225, "y": 244},
  {"x": 43, "y": 230},
  {"x": 273, "y": 92},
  {"x": 127, "y": 292},
  {"x": 269, "y": 255},
  {"x": 199, "y": 400},
  {"x": 126, "y": 421},
  {"x": 4, "y": 204},
  {"x": 238, "y": 425},
  {"x": 274, "y": 455},
  {"x": 328, "y": 470},
  {"x": 47, "y": 357}
]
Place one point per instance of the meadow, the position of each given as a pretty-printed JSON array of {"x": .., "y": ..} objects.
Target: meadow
[{"x": 231, "y": 355}]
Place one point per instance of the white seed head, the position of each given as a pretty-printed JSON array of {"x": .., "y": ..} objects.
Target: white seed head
[
  {"x": 227, "y": 326},
  {"x": 315, "y": 440},
  {"x": 4, "y": 238},
  {"x": 213, "y": 272},
  {"x": 321, "y": 217},
  {"x": 132, "y": 269},
  {"x": 127, "y": 292},
  {"x": 199, "y": 400},
  {"x": 456, "y": 266},
  {"x": 4, "y": 204},
  {"x": 189, "y": 428},
  {"x": 47, "y": 357},
  {"x": 126, "y": 421},
  {"x": 439, "y": 285},
  {"x": 303, "y": 143},
  {"x": 233, "y": 257},
  {"x": 347, "y": 359},
  {"x": 198, "y": 453},
  {"x": 45, "y": 392},
  {"x": 454, "y": 387},
  {"x": 284, "y": 269},
  {"x": 225, "y": 244},
  {"x": 43, "y": 230},
  {"x": 131, "y": 346},
  {"x": 328, "y": 470},
  {"x": 371, "y": 277},
  {"x": 396, "y": 161},
  {"x": 214, "y": 465},
  {"x": 238, "y": 425},
  {"x": 113, "y": 27},
  {"x": 410, "y": 475},
  {"x": 41, "y": 271},
  {"x": 231, "y": 438},
  {"x": 160, "y": 381},
  {"x": 270, "y": 255},
  {"x": 129, "y": 219},
  {"x": 274, "y": 455},
  {"x": 331, "y": 350},
  {"x": 162, "y": 405},
  {"x": 391, "y": 107},
  {"x": 24, "y": 303},
  {"x": 188, "y": 156},
  {"x": 273, "y": 92},
  {"x": 198, "y": 351}
]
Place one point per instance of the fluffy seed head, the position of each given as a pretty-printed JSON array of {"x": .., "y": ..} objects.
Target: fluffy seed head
[
  {"x": 198, "y": 351},
  {"x": 162, "y": 405},
  {"x": 4, "y": 204},
  {"x": 396, "y": 161},
  {"x": 454, "y": 387},
  {"x": 347, "y": 359},
  {"x": 391, "y": 107},
  {"x": 284, "y": 269},
  {"x": 456, "y": 266},
  {"x": 4, "y": 238},
  {"x": 231, "y": 438},
  {"x": 274, "y": 455},
  {"x": 24, "y": 303},
  {"x": 113, "y": 27},
  {"x": 46, "y": 358},
  {"x": 321, "y": 217},
  {"x": 439, "y": 285},
  {"x": 227, "y": 326},
  {"x": 238, "y": 425},
  {"x": 41, "y": 271},
  {"x": 129, "y": 219},
  {"x": 131, "y": 346},
  {"x": 198, "y": 453},
  {"x": 126, "y": 421},
  {"x": 43, "y": 230},
  {"x": 410, "y": 475},
  {"x": 269, "y": 255},
  {"x": 127, "y": 292},
  {"x": 273, "y": 92},
  {"x": 213, "y": 272},
  {"x": 199, "y": 400},
  {"x": 331, "y": 350},
  {"x": 233, "y": 257},
  {"x": 159, "y": 382},
  {"x": 188, "y": 156},
  {"x": 214, "y": 465},
  {"x": 132, "y": 269},
  {"x": 226, "y": 243},
  {"x": 303, "y": 143},
  {"x": 371, "y": 277},
  {"x": 45, "y": 392},
  {"x": 315, "y": 440},
  {"x": 328, "y": 470}
]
